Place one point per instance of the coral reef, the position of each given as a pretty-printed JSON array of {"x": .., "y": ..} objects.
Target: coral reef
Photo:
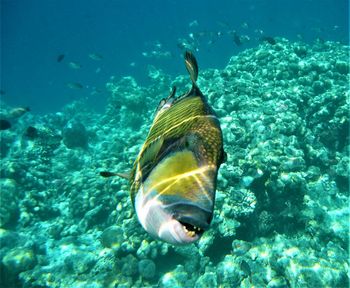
[{"x": 282, "y": 205}]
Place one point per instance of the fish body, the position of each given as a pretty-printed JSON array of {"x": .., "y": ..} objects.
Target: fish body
[
  {"x": 173, "y": 180},
  {"x": 18, "y": 112},
  {"x": 95, "y": 56},
  {"x": 31, "y": 132},
  {"x": 268, "y": 39},
  {"x": 74, "y": 65},
  {"x": 60, "y": 58},
  {"x": 4, "y": 124},
  {"x": 237, "y": 39},
  {"x": 246, "y": 270},
  {"x": 75, "y": 85}
]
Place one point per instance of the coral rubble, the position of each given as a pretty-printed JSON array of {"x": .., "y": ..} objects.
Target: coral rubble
[{"x": 282, "y": 205}]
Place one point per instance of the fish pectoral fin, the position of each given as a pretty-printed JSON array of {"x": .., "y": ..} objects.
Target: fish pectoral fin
[
  {"x": 107, "y": 174},
  {"x": 151, "y": 151}
]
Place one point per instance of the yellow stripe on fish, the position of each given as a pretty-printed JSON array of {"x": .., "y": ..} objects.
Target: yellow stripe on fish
[{"x": 180, "y": 175}]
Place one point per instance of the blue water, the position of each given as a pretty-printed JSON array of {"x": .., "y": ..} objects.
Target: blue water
[
  {"x": 34, "y": 33},
  {"x": 282, "y": 200}
]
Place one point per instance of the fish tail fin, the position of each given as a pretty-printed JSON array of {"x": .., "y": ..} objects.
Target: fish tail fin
[{"x": 191, "y": 66}]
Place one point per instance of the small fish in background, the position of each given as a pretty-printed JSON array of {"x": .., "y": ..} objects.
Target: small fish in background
[
  {"x": 219, "y": 33},
  {"x": 60, "y": 58},
  {"x": 300, "y": 37},
  {"x": 74, "y": 65},
  {"x": 245, "y": 25},
  {"x": 194, "y": 23},
  {"x": 318, "y": 30},
  {"x": 223, "y": 24},
  {"x": 18, "y": 112},
  {"x": 197, "y": 35},
  {"x": 31, "y": 132},
  {"x": 95, "y": 56},
  {"x": 75, "y": 85},
  {"x": 246, "y": 270},
  {"x": 245, "y": 38},
  {"x": 184, "y": 44},
  {"x": 259, "y": 32},
  {"x": 4, "y": 124},
  {"x": 2, "y": 92},
  {"x": 95, "y": 91},
  {"x": 237, "y": 39},
  {"x": 153, "y": 45},
  {"x": 268, "y": 39}
]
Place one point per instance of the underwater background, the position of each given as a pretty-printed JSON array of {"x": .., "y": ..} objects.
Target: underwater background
[{"x": 80, "y": 82}]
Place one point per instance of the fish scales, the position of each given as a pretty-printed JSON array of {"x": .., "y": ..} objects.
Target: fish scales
[
  {"x": 187, "y": 115},
  {"x": 177, "y": 119}
]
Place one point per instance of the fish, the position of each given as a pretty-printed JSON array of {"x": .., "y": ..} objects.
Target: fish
[
  {"x": 60, "y": 58},
  {"x": 96, "y": 91},
  {"x": 18, "y": 112},
  {"x": 31, "y": 132},
  {"x": 245, "y": 25},
  {"x": 95, "y": 56},
  {"x": 75, "y": 85},
  {"x": 184, "y": 44},
  {"x": 4, "y": 124},
  {"x": 194, "y": 23},
  {"x": 237, "y": 39},
  {"x": 2, "y": 92},
  {"x": 74, "y": 65},
  {"x": 223, "y": 24},
  {"x": 268, "y": 39},
  {"x": 246, "y": 270},
  {"x": 173, "y": 179}
]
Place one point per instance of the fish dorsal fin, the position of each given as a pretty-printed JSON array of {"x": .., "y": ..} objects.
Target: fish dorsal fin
[
  {"x": 191, "y": 66},
  {"x": 150, "y": 153},
  {"x": 165, "y": 103}
]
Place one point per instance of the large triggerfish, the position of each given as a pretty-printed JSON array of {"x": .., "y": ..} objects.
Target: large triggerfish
[{"x": 173, "y": 180}]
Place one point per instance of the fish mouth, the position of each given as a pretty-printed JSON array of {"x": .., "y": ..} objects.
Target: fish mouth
[
  {"x": 194, "y": 220},
  {"x": 191, "y": 230}
]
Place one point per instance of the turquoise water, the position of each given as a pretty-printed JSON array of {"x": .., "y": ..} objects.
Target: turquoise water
[{"x": 92, "y": 77}]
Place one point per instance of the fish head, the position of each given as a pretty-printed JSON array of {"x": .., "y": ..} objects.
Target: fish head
[{"x": 175, "y": 202}]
